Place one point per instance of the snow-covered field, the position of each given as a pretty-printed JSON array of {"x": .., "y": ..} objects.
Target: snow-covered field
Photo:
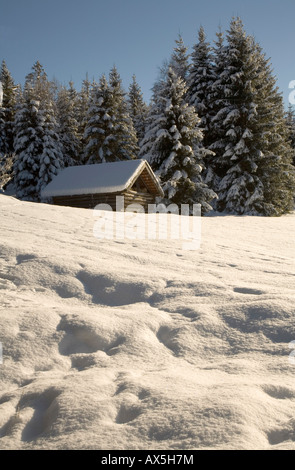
[{"x": 139, "y": 344}]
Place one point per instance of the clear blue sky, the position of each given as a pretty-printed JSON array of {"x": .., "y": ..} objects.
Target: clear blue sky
[{"x": 72, "y": 37}]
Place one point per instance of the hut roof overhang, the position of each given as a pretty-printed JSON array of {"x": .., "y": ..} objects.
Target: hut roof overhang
[{"x": 102, "y": 178}]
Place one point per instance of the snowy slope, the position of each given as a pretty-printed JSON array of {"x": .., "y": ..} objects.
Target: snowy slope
[{"x": 138, "y": 344}]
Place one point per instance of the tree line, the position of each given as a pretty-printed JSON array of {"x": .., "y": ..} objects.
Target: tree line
[{"x": 215, "y": 131}]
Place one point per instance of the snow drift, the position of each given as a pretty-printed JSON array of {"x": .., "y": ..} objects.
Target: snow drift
[{"x": 138, "y": 344}]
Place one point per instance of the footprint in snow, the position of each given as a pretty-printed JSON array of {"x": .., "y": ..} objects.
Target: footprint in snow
[{"x": 248, "y": 290}]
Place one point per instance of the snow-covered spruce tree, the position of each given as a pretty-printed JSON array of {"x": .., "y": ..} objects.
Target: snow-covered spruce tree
[
  {"x": 28, "y": 130},
  {"x": 200, "y": 81},
  {"x": 157, "y": 89},
  {"x": 37, "y": 81},
  {"x": 275, "y": 167},
  {"x": 109, "y": 132},
  {"x": 83, "y": 103},
  {"x": 125, "y": 143},
  {"x": 154, "y": 115},
  {"x": 6, "y": 170},
  {"x": 99, "y": 131},
  {"x": 252, "y": 170},
  {"x": 36, "y": 142},
  {"x": 10, "y": 91},
  {"x": 234, "y": 124},
  {"x": 2, "y": 139},
  {"x": 2, "y": 132},
  {"x": 6, "y": 159},
  {"x": 137, "y": 108},
  {"x": 173, "y": 146},
  {"x": 179, "y": 61},
  {"x": 154, "y": 121},
  {"x": 51, "y": 159},
  {"x": 290, "y": 118},
  {"x": 7, "y": 111},
  {"x": 67, "y": 103},
  {"x": 217, "y": 104}
]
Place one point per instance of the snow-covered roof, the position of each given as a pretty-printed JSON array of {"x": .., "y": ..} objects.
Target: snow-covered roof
[{"x": 97, "y": 178}]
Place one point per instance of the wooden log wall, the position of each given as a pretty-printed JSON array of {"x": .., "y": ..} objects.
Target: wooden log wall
[{"x": 89, "y": 201}]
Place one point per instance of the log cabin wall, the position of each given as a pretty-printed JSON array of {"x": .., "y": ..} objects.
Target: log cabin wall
[
  {"x": 89, "y": 201},
  {"x": 135, "y": 197}
]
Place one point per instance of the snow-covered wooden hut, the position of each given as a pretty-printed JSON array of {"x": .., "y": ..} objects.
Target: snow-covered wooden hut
[{"x": 89, "y": 185}]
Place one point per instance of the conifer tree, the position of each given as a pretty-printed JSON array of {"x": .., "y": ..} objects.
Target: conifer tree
[
  {"x": 28, "y": 146},
  {"x": 154, "y": 119},
  {"x": 215, "y": 136},
  {"x": 179, "y": 61},
  {"x": 137, "y": 108},
  {"x": 252, "y": 152},
  {"x": 9, "y": 90},
  {"x": 7, "y": 111},
  {"x": 6, "y": 159},
  {"x": 2, "y": 137},
  {"x": 51, "y": 159},
  {"x": 37, "y": 81},
  {"x": 67, "y": 105},
  {"x": 6, "y": 170},
  {"x": 235, "y": 149},
  {"x": 3, "y": 146},
  {"x": 84, "y": 97},
  {"x": 99, "y": 130},
  {"x": 36, "y": 143},
  {"x": 200, "y": 81},
  {"x": 159, "y": 84},
  {"x": 290, "y": 118},
  {"x": 275, "y": 167},
  {"x": 173, "y": 146},
  {"x": 125, "y": 142}
]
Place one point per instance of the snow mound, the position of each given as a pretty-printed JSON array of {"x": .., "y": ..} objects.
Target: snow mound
[{"x": 138, "y": 344}]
